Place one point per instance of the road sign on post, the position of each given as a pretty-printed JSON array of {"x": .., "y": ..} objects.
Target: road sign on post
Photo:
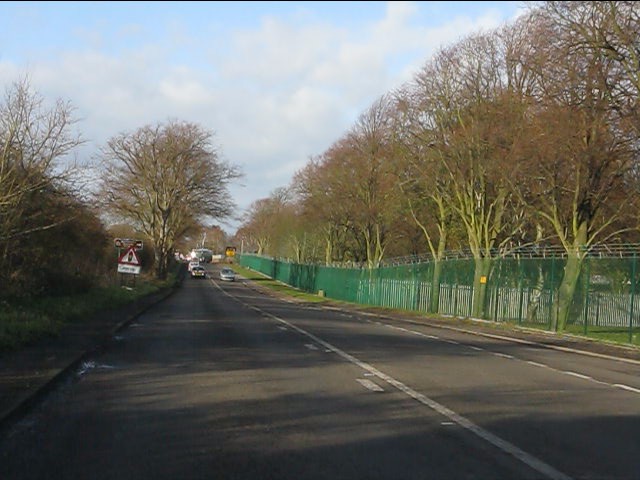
[
  {"x": 127, "y": 242},
  {"x": 129, "y": 262}
]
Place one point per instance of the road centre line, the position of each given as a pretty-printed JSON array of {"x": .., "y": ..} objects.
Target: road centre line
[
  {"x": 425, "y": 323},
  {"x": 536, "y": 364},
  {"x": 498, "y": 354},
  {"x": 503, "y": 445},
  {"x": 368, "y": 384},
  {"x": 504, "y": 355},
  {"x": 498, "y": 442},
  {"x": 576, "y": 374},
  {"x": 470, "y": 332}
]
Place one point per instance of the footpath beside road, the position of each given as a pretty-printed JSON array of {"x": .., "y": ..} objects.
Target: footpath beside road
[{"x": 27, "y": 374}]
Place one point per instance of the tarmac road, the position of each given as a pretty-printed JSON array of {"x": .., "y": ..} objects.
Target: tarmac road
[{"x": 220, "y": 381}]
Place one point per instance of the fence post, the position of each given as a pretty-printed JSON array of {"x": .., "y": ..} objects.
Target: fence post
[
  {"x": 416, "y": 290},
  {"x": 551, "y": 287},
  {"x": 521, "y": 283},
  {"x": 633, "y": 291},
  {"x": 455, "y": 301},
  {"x": 586, "y": 296}
]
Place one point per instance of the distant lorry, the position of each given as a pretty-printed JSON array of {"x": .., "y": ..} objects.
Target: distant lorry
[{"x": 203, "y": 255}]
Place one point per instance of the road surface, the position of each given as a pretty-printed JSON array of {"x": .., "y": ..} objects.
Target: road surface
[{"x": 221, "y": 381}]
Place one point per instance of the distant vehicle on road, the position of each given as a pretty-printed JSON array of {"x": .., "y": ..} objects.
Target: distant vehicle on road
[
  {"x": 203, "y": 255},
  {"x": 193, "y": 263},
  {"x": 198, "y": 272},
  {"x": 227, "y": 274}
]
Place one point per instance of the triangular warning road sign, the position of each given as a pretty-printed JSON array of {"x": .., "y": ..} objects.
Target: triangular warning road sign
[{"x": 129, "y": 257}]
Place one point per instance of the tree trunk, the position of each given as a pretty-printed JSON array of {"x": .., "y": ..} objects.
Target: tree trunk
[
  {"x": 328, "y": 251},
  {"x": 566, "y": 292},
  {"x": 435, "y": 286},
  {"x": 567, "y": 288},
  {"x": 534, "y": 300},
  {"x": 161, "y": 263},
  {"x": 437, "y": 272},
  {"x": 481, "y": 274}
]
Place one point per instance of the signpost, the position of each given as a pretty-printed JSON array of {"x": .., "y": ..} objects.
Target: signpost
[
  {"x": 128, "y": 261},
  {"x": 127, "y": 242}
]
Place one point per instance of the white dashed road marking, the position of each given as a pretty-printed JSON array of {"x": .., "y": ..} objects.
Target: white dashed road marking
[
  {"x": 535, "y": 463},
  {"x": 374, "y": 387},
  {"x": 536, "y": 364},
  {"x": 579, "y": 375},
  {"x": 503, "y": 355},
  {"x": 538, "y": 465}
]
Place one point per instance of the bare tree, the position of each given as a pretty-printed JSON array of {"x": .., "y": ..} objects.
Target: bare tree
[
  {"x": 258, "y": 224},
  {"x": 271, "y": 223},
  {"x": 474, "y": 119},
  {"x": 582, "y": 148},
  {"x": 35, "y": 188},
  {"x": 320, "y": 189},
  {"x": 164, "y": 178},
  {"x": 422, "y": 111},
  {"x": 611, "y": 28},
  {"x": 369, "y": 172},
  {"x": 33, "y": 140}
]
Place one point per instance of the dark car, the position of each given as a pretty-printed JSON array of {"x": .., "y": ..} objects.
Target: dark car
[{"x": 198, "y": 272}]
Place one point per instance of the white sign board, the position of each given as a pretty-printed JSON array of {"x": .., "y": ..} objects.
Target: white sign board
[
  {"x": 125, "y": 268},
  {"x": 129, "y": 261}
]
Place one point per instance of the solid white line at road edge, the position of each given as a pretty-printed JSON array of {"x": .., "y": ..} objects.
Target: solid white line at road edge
[{"x": 538, "y": 465}]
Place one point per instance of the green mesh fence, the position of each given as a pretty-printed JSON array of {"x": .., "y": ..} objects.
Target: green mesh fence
[{"x": 521, "y": 291}]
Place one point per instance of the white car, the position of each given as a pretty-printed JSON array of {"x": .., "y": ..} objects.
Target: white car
[
  {"x": 227, "y": 274},
  {"x": 192, "y": 264}
]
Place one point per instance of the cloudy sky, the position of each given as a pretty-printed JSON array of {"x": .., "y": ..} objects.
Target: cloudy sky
[{"x": 276, "y": 82}]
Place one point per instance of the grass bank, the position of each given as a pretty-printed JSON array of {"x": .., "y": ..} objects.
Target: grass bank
[
  {"x": 25, "y": 321},
  {"x": 277, "y": 286}
]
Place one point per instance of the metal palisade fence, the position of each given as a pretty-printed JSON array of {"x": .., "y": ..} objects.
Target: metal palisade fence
[{"x": 517, "y": 290}]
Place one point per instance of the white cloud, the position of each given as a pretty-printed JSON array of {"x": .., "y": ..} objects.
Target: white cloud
[
  {"x": 184, "y": 91},
  {"x": 275, "y": 95}
]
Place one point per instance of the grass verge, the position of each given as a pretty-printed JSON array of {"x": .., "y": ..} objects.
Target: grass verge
[
  {"x": 277, "y": 286},
  {"x": 23, "y": 322}
]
